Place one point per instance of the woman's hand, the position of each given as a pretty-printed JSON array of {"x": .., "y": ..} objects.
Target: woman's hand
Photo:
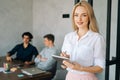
[
  {"x": 73, "y": 65},
  {"x": 63, "y": 54},
  {"x": 78, "y": 67},
  {"x": 63, "y": 66}
]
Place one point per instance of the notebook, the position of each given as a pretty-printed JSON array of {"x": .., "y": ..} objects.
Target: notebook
[
  {"x": 59, "y": 58},
  {"x": 32, "y": 71}
]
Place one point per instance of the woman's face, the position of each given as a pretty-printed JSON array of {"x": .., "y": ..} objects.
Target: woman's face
[{"x": 81, "y": 18}]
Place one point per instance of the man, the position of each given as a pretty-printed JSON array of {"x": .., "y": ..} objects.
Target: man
[
  {"x": 24, "y": 51},
  {"x": 44, "y": 60}
]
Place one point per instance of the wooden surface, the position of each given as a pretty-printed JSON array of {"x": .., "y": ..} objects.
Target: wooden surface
[{"x": 14, "y": 75}]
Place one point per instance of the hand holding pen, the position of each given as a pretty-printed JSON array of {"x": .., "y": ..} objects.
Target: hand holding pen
[{"x": 64, "y": 54}]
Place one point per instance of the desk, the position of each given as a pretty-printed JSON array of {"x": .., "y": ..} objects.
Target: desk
[{"x": 13, "y": 75}]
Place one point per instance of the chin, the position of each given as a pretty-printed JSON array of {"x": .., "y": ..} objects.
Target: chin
[{"x": 80, "y": 26}]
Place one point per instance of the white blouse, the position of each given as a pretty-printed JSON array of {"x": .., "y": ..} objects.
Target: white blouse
[{"x": 89, "y": 50}]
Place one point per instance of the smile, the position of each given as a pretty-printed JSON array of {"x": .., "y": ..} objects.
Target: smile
[{"x": 79, "y": 23}]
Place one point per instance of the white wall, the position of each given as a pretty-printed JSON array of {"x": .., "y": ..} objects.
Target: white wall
[
  {"x": 15, "y": 18},
  {"x": 47, "y": 18}
]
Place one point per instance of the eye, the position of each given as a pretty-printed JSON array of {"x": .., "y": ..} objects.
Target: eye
[
  {"x": 84, "y": 15},
  {"x": 76, "y": 15}
]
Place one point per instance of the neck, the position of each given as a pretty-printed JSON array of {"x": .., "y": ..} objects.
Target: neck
[
  {"x": 25, "y": 45},
  {"x": 82, "y": 32},
  {"x": 51, "y": 45}
]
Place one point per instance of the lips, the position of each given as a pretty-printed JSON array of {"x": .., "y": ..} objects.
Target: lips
[{"x": 79, "y": 23}]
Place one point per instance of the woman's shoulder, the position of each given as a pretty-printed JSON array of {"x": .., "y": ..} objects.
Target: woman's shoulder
[{"x": 97, "y": 35}]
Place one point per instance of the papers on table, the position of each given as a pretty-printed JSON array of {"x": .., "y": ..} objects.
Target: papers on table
[{"x": 1, "y": 69}]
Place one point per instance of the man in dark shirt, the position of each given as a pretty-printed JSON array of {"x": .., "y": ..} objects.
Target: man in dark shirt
[{"x": 24, "y": 51}]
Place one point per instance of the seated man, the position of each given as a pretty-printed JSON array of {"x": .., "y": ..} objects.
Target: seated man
[
  {"x": 24, "y": 51},
  {"x": 44, "y": 60}
]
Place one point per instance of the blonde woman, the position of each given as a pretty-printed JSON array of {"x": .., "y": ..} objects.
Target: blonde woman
[{"x": 85, "y": 46}]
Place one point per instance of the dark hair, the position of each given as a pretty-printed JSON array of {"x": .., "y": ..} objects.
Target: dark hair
[
  {"x": 27, "y": 34},
  {"x": 50, "y": 37}
]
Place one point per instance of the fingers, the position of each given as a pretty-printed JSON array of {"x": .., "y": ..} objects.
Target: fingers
[
  {"x": 43, "y": 59},
  {"x": 13, "y": 69},
  {"x": 39, "y": 57},
  {"x": 63, "y": 66},
  {"x": 63, "y": 54},
  {"x": 73, "y": 65},
  {"x": 68, "y": 64},
  {"x": 8, "y": 58},
  {"x": 27, "y": 63}
]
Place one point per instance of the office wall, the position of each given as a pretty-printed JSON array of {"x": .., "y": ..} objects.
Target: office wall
[
  {"x": 15, "y": 18},
  {"x": 47, "y": 18}
]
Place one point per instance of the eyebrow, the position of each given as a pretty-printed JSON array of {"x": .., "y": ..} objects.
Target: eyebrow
[{"x": 82, "y": 13}]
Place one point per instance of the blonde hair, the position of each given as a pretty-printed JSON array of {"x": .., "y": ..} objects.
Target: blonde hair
[{"x": 92, "y": 20}]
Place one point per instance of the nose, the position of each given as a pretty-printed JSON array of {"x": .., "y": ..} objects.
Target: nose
[{"x": 80, "y": 18}]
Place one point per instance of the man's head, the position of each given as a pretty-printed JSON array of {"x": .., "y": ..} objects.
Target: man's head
[
  {"x": 27, "y": 37},
  {"x": 49, "y": 40}
]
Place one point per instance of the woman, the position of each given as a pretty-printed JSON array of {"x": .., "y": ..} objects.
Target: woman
[{"x": 85, "y": 46}]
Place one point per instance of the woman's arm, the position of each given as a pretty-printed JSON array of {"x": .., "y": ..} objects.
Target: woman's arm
[{"x": 78, "y": 67}]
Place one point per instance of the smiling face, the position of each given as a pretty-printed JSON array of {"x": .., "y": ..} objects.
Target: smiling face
[{"x": 81, "y": 18}]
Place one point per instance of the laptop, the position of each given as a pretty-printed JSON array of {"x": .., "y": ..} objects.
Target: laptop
[{"x": 32, "y": 71}]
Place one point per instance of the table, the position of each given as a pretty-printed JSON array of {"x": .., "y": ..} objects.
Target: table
[{"x": 13, "y": 75}]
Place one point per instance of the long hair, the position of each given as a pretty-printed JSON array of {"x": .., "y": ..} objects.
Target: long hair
[{"x": 92, "y": 20}]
